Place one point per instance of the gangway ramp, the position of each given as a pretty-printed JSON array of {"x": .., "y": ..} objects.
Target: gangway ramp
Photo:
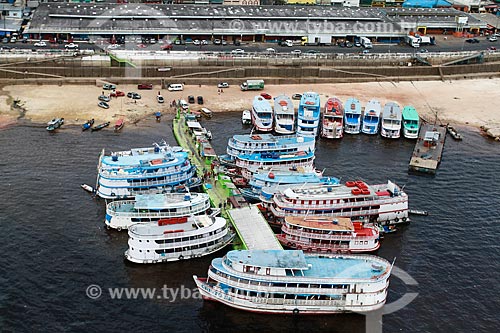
[{"x": 253, "y": 229}]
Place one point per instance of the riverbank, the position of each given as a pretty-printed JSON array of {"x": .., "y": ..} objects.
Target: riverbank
[{"x": 464, "y": 102}]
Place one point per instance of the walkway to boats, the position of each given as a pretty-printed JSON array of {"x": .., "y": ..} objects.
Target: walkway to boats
[{"x": 253, "y": 229}]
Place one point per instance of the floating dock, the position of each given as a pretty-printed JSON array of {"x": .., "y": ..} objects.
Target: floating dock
[
  {"x": 249, "y": 223},
  {"x": 428, "y": 149}
]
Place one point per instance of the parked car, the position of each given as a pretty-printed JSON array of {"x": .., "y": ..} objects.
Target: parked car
[
  {"x": 103, "y": 98},
  {"x": 103, "y": 105},
  {"x": 493, "y": 39},
  {"x": 236, "y": 42},
  {"x": 238, "y": 51},
  {"x": 270, "y": 50},
  {"x": 113, "y": 46},
  {"x": 223, "y": 85},
  {"x": 217, "y": 42},
  {"x": 160, "y": 99},
  {"x": 71, "y": 46},
  {"x": 296, "y": 96},
  {"x": 40, "y": 44},
  {"x": 117, "y": 93},
  {"x": 297, "y": 52},
  {"x": 191, "y": 99},
  {"x": 312, "y": 52},
  {"x": 145, "y": 86},
  {"x": 5, "y": 40},
  {"x": 224, "y": 42},
  {"x": 108, "y": 86},
  {"x": 491, "y": 48},
  {"x": 266, "y": 95},
  {"x": 196, "y": 42},
  {"x": 472, "y": 40},
  {"x": 167, "y": 47},
  {"x": 136, "y": 96},
  {"x": 357, "y": 44},
  {"x": 200, "y": 99},
  {"x": 204, "y": 42},
  {"x": 130, "y": 94}
]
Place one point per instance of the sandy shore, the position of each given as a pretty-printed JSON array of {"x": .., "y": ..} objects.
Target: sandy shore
[{"x": 469, "y": 102}]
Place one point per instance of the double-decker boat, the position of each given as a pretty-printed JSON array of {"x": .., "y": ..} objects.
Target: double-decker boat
[
  {"x": 411, "y": 122},
  {"x": 288, "y": 281},
  {"x": 371, "y": 118},
  {"x": 157, "y": 169},
  {"x": 352, "y": 115},
  {"x": 382, "y": 203},
  {"x": 333, "y": 119},
  {"x": 262, "y": 183},
  {"x": 328, "y": 234},
  {"x": 391, "y": 121},
  {"x": 262, "y": 114},
  {"x": 121, "y": 214},
  {"x": 308, "y": 114},
  {"x": 177, "y": 239},
  {"x": 284, "y": 115}
]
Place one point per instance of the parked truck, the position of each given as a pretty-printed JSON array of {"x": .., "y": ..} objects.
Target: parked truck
[
  {"x": 252, "y": 85},
  {"x": 365, "y": 42},
  {"x": 413, "y": 41},
  {"x": 321, "y": 41}
]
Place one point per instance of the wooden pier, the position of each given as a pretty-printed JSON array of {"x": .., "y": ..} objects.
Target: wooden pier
[
  {"x": 251, "y": 227},
  {"x": 428, "y": 149}
]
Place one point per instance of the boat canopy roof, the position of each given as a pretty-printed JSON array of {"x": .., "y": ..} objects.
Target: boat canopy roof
[
  {"x": 273, "y": 140},
  {"x": 292, "y": 259},
  {"x": 409, "y": 113},
  {"x": 194, "y": 124},
  {"x": 260, "y": 104},
  {"x": 166, "y": 200},
  {"x": 321, "y": 222},
  {"x": 392, "y": 111},
  {"x": 353, "y": 106},
  {"x": 373, "y": 108}
]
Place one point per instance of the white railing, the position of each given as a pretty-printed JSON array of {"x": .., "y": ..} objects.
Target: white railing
[
  {"x": 182, "y": 211},
  {"x": 282, "y": 213},
  {"x": 282, "y": 202},
  {"x": 311, "y": 235},
  {"x": 113, "y": 173}
]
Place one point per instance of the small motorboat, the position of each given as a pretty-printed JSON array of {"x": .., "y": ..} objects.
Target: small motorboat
[
  {"x": 54, "y": 124},
  {"x": 88, "y": 124},
  {"x": 87, "y": 188},
  {"x": 158, "y": 115},
  {"x": 100, "y": 126},
  {"x": 453, "y": 132},
  {"x": 119, "y": 125},
  {"x": 246, "y": 117},
  {"x": 206, "y": 112}
]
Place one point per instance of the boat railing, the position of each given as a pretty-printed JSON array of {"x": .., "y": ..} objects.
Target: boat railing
[
  {"x": 195, "y": 209},
  {"x": 281, "y": 213},
  {"x": 282, "y": 202},
  {"x": 298, "y": 302},
  {"x": 312, "y": 235},
  {"x": 180, "y": 235},
  {"x": 166, "y": 181},
  {"x": 162, "y": 171}
]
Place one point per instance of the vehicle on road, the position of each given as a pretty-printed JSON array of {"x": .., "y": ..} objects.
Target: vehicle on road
[
  {"x": 223, "y": 85},
  {"x": 472, "y": 40},
  {"x": 167, "y": 47},
  {"x": 270, "y": 50},
  {"x": 145, "y": 86},
  {"x": 238, "y": 51},
  {"x": 296, "y": 52},
  {"x": 40, "y": 44},
  {"x": 103, "y": 105},
  {"x": 493, "y": 39},
  {"x": 71, "y": 46},
  {"x": 175, "y": 87}
]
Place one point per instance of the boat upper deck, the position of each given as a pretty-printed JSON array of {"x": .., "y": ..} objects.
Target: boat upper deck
[
  {"x": 322, "y": 223},
  {"x": 410, "y": 113},
  {"x": 283, "y": 105},
  {"x": 292, "y": 178},
  {"x": 262, "y": 106},
  {"x": 372, "y": 108},
  {"x": 269, "y": 141},
  {"x": 277, "y": 156},
  {"x": 352, "y": 106},
  {"x": 179, "y": 226},
  {"x": 169, "y": 200},
  {"x": 392, "y": 111},
  {"x": 145, "y": 159},
  {"x": 311, "y": 266}
]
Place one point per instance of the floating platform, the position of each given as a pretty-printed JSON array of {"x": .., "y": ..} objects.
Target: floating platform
[
  {"x": 418, "y": 212},
  {"x": 426, "y": 156}
]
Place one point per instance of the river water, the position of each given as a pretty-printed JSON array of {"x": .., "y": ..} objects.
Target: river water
[{"x": 55, "y": 243}]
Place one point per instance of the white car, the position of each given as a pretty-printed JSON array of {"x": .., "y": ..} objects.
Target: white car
[
  {"x": 270, "y": 50},
  {"x": 296, "y": 52},
  {"x": 113, "y": 46},
  {"x": 196, "y": 42},
  {"x": 493, "y": 39},
  {"x": 223, "y": 85},
  {"x": 71, "y": 46},
  {"x": 40, "y": 44},
  {"x": 238, "y": 51}
]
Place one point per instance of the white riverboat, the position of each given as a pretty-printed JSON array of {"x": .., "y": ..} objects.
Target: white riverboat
[
  {"x": 177, "y": 239},
  {"x": 382, "y": 203},
  {"x": 391, "y": 121},
  {"x": 284, "y": 115},
  {"x": 262, "y": 114},
  {"x": 121, "y": 214},
  {"x": 288, "y": 281},
  {"x": 157, "y": 169}
]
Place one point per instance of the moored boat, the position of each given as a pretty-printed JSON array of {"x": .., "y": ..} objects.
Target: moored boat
[
  {"x": 453, "y": 132},
  {"x": 284, "y": 115},
  {"x": 308, "y": 114},
  {"x": 100, "y": 126},
  {"x": 391, "y": 121},
  {"x": 371, "y": 117},
  {"x": 119, "y": 125},
  {"x": 121, "y": 214},
  {"x": 246, "y": 117},
  {"x": 382, "y": 203},
  {"x": 177, "y": 238},
  {"x": 156, "y": 169},
  {"x": 352, "y": 115},
  {"x": 289, "y": 281},
  {"x": 411, "y": 122},
  {"x": 54, "y": 124},
  {"x": 207, "y": 112},
  {"x": 333, "y": 119},
  {"x": 88, "y": 124},
  {"x": 328, "y": 235},
  {"x": 262, "y": 114}
]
